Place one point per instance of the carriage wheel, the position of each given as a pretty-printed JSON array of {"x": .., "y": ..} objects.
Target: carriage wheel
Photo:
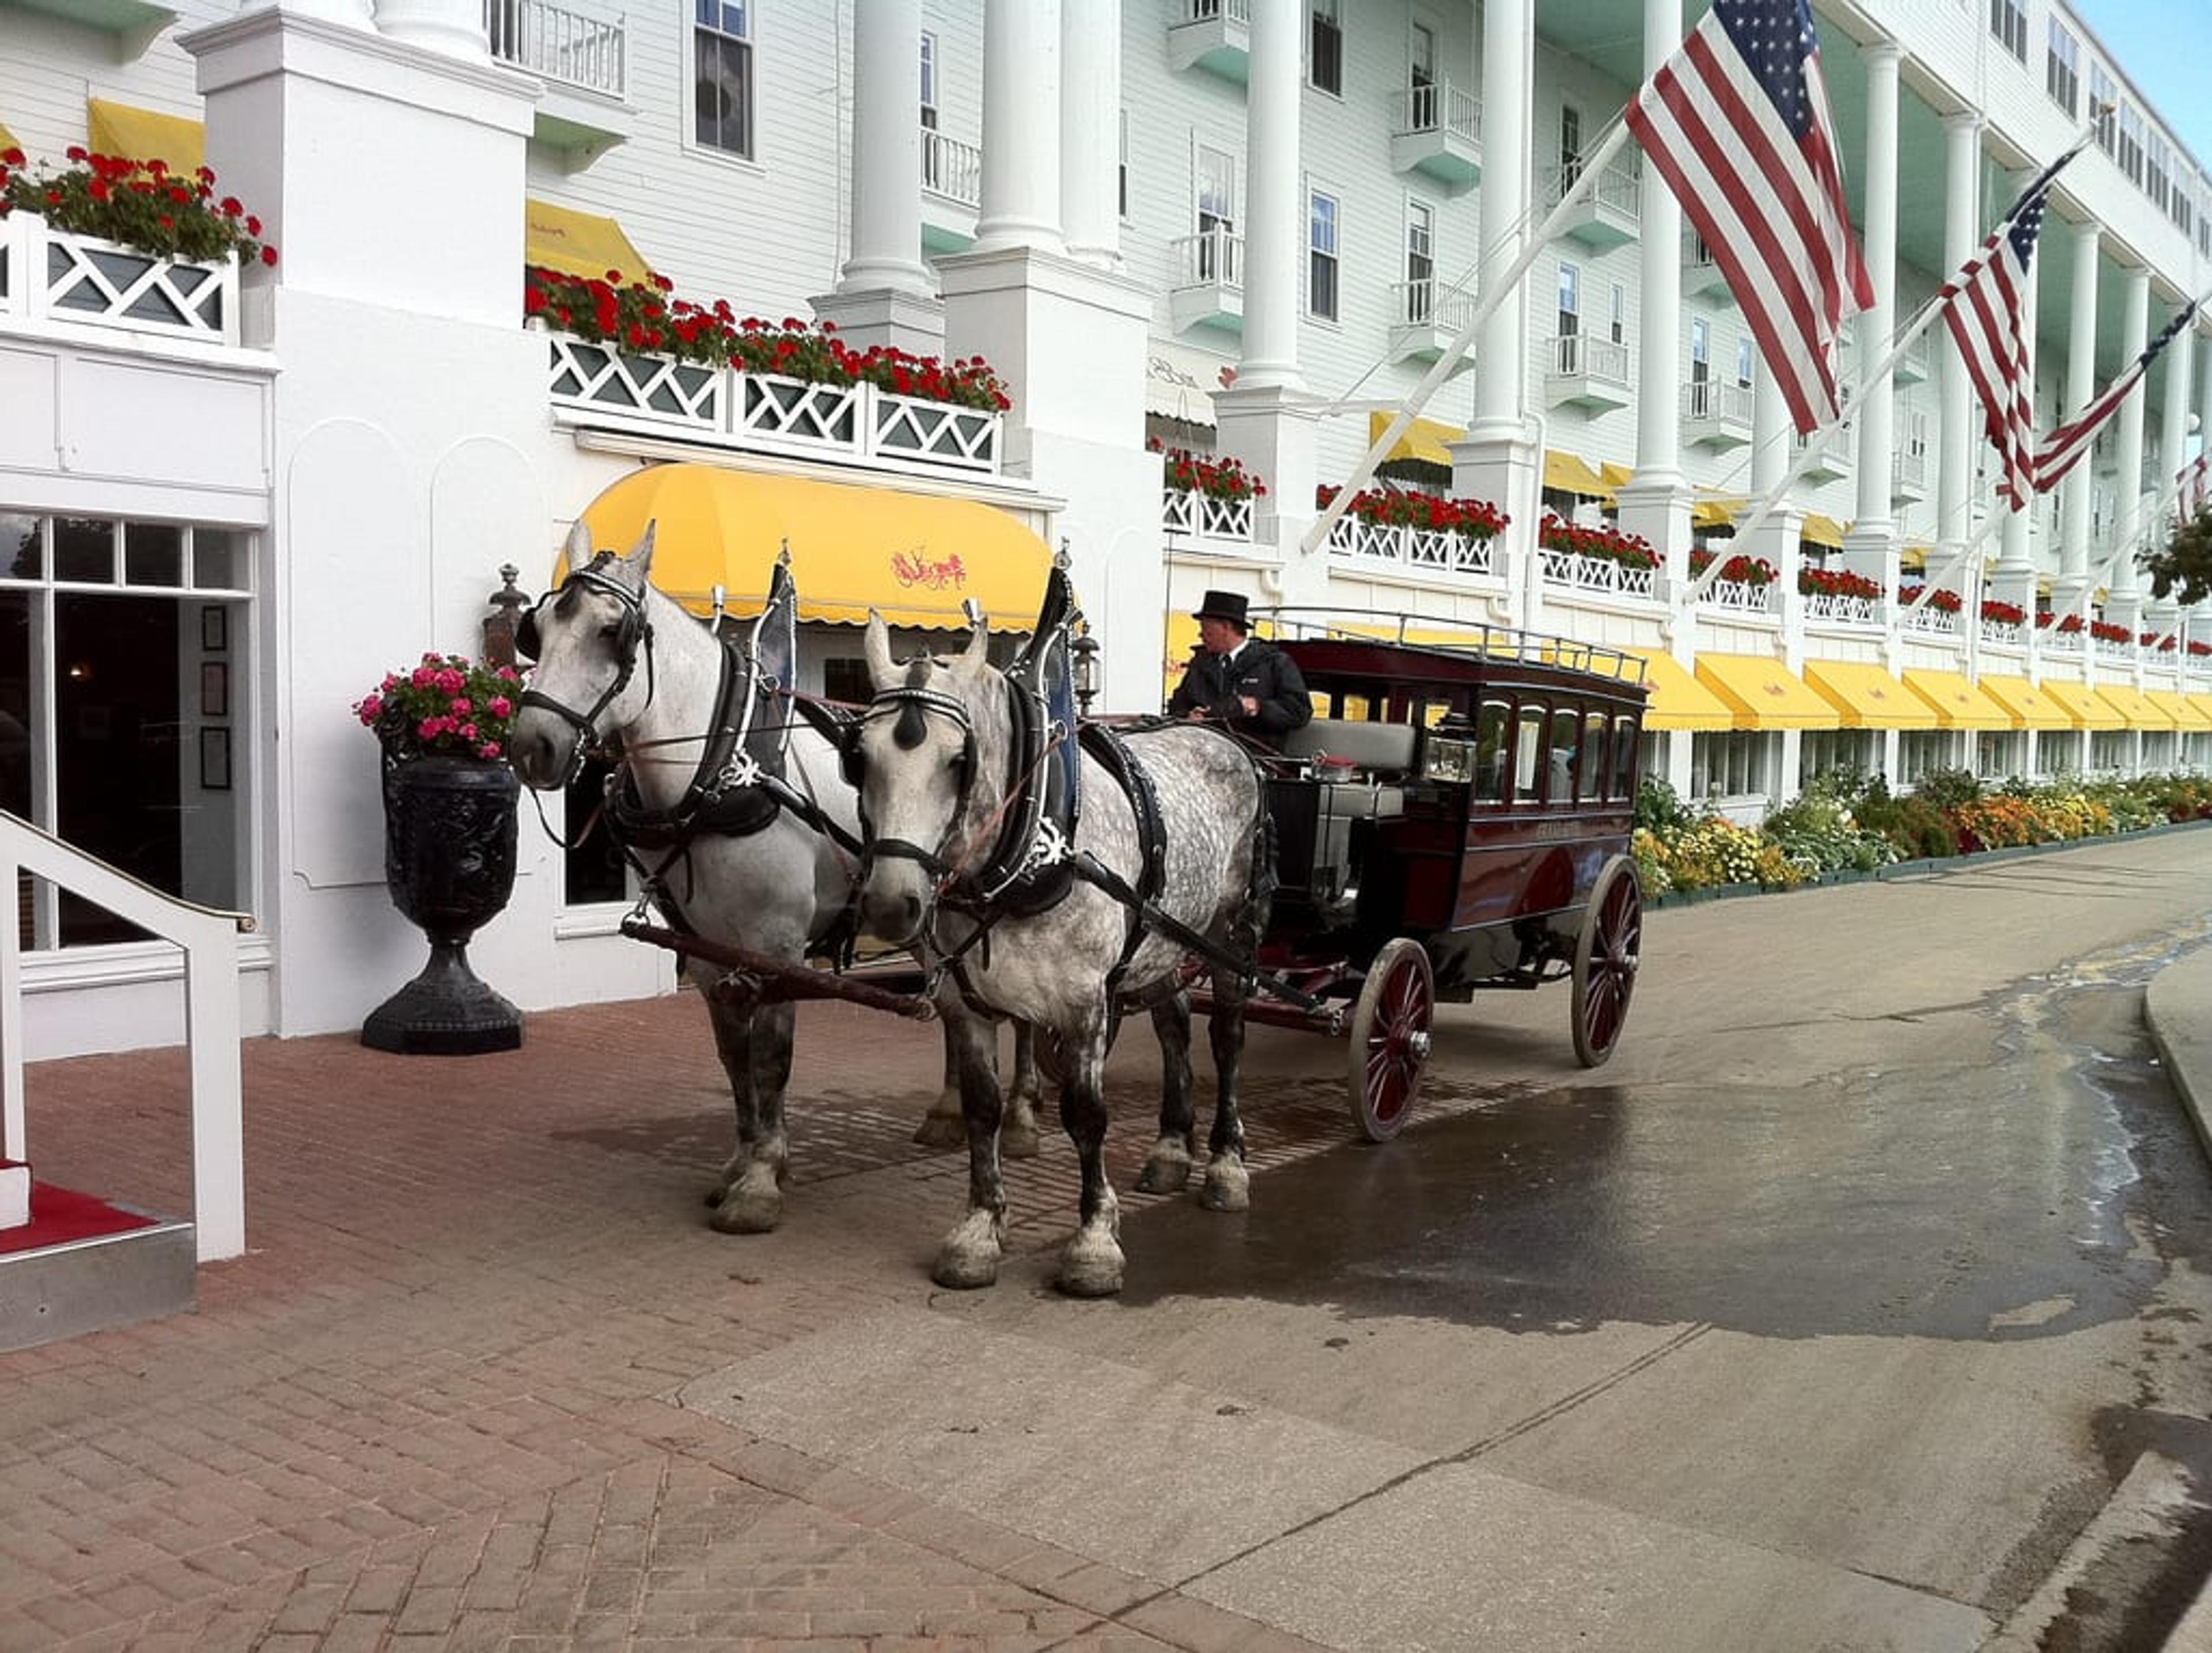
[
  {"x": 1390, "y": 1038},
  {"x": 1607, "y": 954}
]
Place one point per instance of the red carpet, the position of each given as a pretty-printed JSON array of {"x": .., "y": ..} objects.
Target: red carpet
[{"x": 60, "y": 1215}]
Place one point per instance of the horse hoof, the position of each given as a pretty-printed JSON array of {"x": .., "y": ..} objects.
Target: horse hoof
[
  {"x": 744, "y": 1214},
  {"x": 1090, "y": 1268},
  {"x": 960, "y": 1271},
  {"x": 1167, "y": 1169},
  {"x": 1019, "y": 1141},
  {"x": 1227, "y": 1186},
  {"x": 942, "y": 1131}
]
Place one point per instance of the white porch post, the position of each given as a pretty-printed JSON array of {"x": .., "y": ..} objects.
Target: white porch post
[
  {"x": 1090, "y": 130},
  {"x": 1954, "y": 480},
  {"x": 2081, "y": 385},
  {"x": 1870, "y": 547},
  {"x": 1655, "y": 502},
  {"x": 1021, "y": 126},
  {"x": 2123, "y": 606}
]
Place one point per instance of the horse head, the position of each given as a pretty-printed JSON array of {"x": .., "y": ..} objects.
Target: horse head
[
  {"x": 589, "y": 637},
  {"x": 928, "y": 758}
]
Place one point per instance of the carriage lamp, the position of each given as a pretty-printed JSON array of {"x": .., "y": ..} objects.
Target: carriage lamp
[
  {"x": 503, "y": 616},
  {"x": 1083, "y": 669}
]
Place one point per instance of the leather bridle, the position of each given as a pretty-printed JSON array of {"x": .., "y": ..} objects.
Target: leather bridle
[{"x": 635, "y": 635}]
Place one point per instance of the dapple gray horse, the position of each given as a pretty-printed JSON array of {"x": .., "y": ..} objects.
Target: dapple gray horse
[
  {"x": 623, "y": 667},
  {"x": 935, "y": 754}
]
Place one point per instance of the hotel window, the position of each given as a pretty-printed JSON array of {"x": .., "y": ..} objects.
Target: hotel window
[
  {"x": 2131, "y": 156},
  {"x": 1619, "y": 326},
  {"x": 1421, "y": 80},
  {"x": 2102, "y": 93},
  {"x": 1747, "y": 357},
  {"x": 722, "y": 77},
  {"x": 2008, "y": 22},
  {"x": 1701, "y": 367},
  {"x": 1420, "y": 261},
  {"x": 933, "y": 158},
  {"x": 1571, "y": 147},
  {"x": 124, "y": 656},
  {"x": 1121, "y": 168},
  {"x": 1569, "y": 355},
  {"x": 1321, "y": 257},
  {"x": 2185, "y": 212},
  {"x": 1325, "y": 48},
  {"x": 2155, "y": 171},
  {"x": 1217, "y": 216},
  {"x": 2061, "y": 71}
]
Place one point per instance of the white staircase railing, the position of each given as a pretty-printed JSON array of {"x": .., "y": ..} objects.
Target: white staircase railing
[{"x": 210, "y": 940}]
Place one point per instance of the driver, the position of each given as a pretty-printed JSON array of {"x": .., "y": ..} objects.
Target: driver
[{"x": 1237, "y": 680}]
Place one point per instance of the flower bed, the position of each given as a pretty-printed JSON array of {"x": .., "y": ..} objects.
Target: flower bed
[
  {"x": 1836, "y": 583},
  {"x": 1942, "y": 599},
  {"x": 1394, "y": 507},
  {"x": 139, "y": 204},
  {"x": 2002, "y": 613},
  {"x": 1741, "y": 569},
  {"x": 1204, "y": 474},
  {"x": 1596, "y": 544}
]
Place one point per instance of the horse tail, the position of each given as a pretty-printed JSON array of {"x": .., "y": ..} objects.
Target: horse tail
[{"x": 1260, "y": 880}]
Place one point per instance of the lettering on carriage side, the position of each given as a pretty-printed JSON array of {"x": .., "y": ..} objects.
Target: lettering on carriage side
[
  {"x": 1545, "y": 829},
  {"x": 915, "y": 567}
]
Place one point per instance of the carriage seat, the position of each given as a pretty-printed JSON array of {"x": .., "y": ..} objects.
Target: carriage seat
[{"x": 1365, "y": 745}]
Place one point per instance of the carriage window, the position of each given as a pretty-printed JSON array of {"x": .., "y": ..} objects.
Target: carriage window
[
  {"x": 1593, "y": 749},
  {"x": 1491, "y": 726},
  {"x": 1624, "y": 737},
  {"x": 1527, "y": 751},
  {"x": 1560, "y": 786}
]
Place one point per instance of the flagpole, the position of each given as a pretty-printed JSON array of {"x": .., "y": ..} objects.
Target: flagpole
[{"x": 1493, "y": 292}]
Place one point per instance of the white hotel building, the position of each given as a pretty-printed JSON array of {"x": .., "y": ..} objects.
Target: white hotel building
[{"x": 1242, "y": 226}]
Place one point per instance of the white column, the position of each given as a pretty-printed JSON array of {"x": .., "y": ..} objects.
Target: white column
[
  {"x": 1091, "y": 129},
  {"x": 2015, "y": 579},
  {"x": 2179, "y": 362},
  {"x": 1508, "y": 26},
  {"x": 1877, "y": 411},
  {"x": 886, "y": 224},
  {"x": 2081, "y": 385},
  {"x": 1954, "y": 479},
  {"x": 455, "y": 27},
  {"x": 1655, "y": 502},
  {"x": 1273, "y": 237},
  {"x": 1021, "y": 126},
  {"x": 2123, "y": 607}
]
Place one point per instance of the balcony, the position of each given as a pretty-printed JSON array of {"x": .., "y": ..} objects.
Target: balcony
[
  {"x": 1416, "y": 550},
  {"x": 132, "y": 25},
  {"x": 1717, "y": 415},
  {"x": 1604, "y": 215},
  {"x": 585, "y": 64},
  {"x": 1908, "y": 475},
  {"x": 1428, "y": 319},
  {"x": 47, "y": 274},
  {"x": 1929, "y": 621},
  {"x": 1838, "y": 450},
  {"x": 1209, "y": 287},
  {"x": 1587, "y": 373},
  {"x": 1830, "y": 608},
  {"x": 1596, "y": 575},
  {"x": 1208, "y": 525},
  {"x": 1437, "y": 129},
  {"x": 1702, "y": 277},
  {"x": 952, "y": 192},
  {"x": 1740, "y": 596},
  {"x": 1214, "y": 35}
]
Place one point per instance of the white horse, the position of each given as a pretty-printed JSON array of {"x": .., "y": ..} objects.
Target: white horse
[
  {"x": 753, "y": 860},
  {"x": 941, "y": 762}
]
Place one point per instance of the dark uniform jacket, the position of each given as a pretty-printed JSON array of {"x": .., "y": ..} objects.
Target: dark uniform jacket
[{"x": 1216, "y": 683}]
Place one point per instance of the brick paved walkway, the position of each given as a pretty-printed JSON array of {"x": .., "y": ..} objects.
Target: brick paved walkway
[{"x": 434, "y": 1406}]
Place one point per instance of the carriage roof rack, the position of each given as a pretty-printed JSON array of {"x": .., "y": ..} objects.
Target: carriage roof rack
[{"x": 1463, "y": 639}]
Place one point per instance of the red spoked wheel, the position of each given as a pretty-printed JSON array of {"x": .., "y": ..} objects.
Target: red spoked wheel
[
  {"x": 1607, "y": 955},
  {"x": 1390, "y": 1038}
]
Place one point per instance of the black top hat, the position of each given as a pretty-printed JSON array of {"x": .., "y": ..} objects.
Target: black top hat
[{"x": 1228, "y": 605}]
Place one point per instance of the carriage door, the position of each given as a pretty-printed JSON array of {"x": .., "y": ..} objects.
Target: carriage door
[{"x": 1217, "y": 216}]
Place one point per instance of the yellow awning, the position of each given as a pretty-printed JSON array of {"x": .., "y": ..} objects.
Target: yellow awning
[
  {"x": 1913, "y": 559},
  {"x": 2191, "y": 714},
  {"x": 2088, "y": 710},
  {"x": 1823, "y": 531},
  {"x": 1867, "y": 696},
  {"x": 2135, "y": 707},
  {"x": 1569, "y": 473},
  {"x": 8, "y": 138},
  {"x": 1713, "y": 511},
  {"x": 129, "y": 133},
  {"x": 1616, "y": 477},
  {"x": 912, "y": 557},
  {"x": 1678, "y": 700},
  {"x": 581, "y": 244},
  {"x": 1764, "y": 693},
  {"x": 1958, "y": 703},
  {"x": 2033, "y": 707},
  {"x": 1424, "y": 438}
]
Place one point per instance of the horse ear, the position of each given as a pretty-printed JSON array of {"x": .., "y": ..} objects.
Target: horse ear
[
  {"x": 878, "y": 647},
  {"x": 641, "y": 558},
  {"x": 578, "y": 551},
  {"x": 978, "y": 652}
]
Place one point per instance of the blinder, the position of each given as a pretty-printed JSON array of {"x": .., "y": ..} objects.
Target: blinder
[{"x": 633, "y": 632}]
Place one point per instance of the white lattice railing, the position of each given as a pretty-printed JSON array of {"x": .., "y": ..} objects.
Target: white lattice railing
[
  {"x": 1931, "y": 622},
  {"x": 47, "y": 274},
  {"x": 773, "y": 414},
  {"x": 1202, "y": 517},
  {"x": 2106, "y": 649},
  {"x": 560, "y": 45},
  {"x": 1205, "y": 11},
  {"x": 1595, "y": 573},
  {"x": 1739, "y": 597},
  {"x": 1835, "y": 609},
  {"x": 952, "y": 169},
  {"x": 2061, "y": 642},
  {"x": 1431, "y": 549},
  {"x": 2006, "y": 634},
  {"x": 1440, "y": 107}
]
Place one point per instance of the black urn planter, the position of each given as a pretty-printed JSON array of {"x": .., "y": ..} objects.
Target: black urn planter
[{"x": 449, "y": 862}]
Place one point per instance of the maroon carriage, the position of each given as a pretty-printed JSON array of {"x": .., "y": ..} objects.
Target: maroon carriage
[{"x": 1456, "y": 817}]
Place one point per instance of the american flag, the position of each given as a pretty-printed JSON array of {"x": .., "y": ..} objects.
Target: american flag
[
  {"x": 2063, "y": 449},
  {"x": 1982, "y": 309},
  {"x": 2193, "y": 487},
  {"x": 1737, "y": 123}
]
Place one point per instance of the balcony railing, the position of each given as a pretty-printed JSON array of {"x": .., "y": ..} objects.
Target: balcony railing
[
  {"x": 952, "y": 169},
  {"x": 1595, "y": 573},
  {"x": 1439, "y": 107},
  {"x": 589, "y": 53},
  {"x": 1739, "y": 597},
  {"x": 47, "y": 274},
  {"x": 854, "y": 424},
  {"x": 1588, "y": 371},
  {"x": 1426, "y": 303},
  {"x": 1835, "y": 609},
  {"x": 2005, "y": 633},
  {"x": 1929, "y": 621},
  {"x": 1201, "y": 517},
  {"x": 1430, "y": 549}
]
